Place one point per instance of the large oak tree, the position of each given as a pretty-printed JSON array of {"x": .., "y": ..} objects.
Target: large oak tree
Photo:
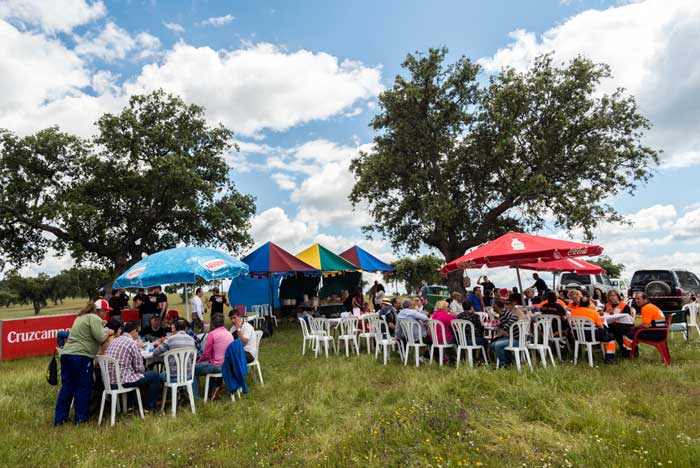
[
  {"x": 456, "y": 163},
  {"x": 154, "y": 176}
]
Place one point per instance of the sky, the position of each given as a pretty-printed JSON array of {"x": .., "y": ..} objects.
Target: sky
[{"x": 297, "y": 81}]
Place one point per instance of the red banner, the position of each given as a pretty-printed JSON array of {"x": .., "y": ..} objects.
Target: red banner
[{"x": 32, "y": 336}]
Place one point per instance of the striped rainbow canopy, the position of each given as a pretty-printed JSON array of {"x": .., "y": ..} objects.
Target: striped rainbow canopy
[{"x": 323, "y": 259}]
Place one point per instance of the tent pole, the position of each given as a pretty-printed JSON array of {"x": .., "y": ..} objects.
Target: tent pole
[
  {"x": 520, "y": 285},
  {"x": 187, "y": 303},
  {"x": 554, "y": 281}
]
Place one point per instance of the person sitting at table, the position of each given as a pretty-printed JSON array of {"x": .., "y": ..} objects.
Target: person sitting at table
[
  {"x": 575, "y": 297},
  {"x": 214, "y": 352},
  {"x": 479, "y": 330},
  {"x": 115, "y": 325},
  {"x": 178, "y": 339},
  {"x": 456, "y": 304},
  {"x": 170, "y": 317},
  {"x": 244, "y": 331},
  {"x": 388, "y": 313},
  {"x": 584, "y": 309},
  {"x": 155, "y": 330},
  {"x": 418, "y": 305},
  {"x": 443, "y": 315},
  {"x": 133, "y": 374},
  {"x": 407, "y": 313},
  {"x": 358, "y": 302},
  {"x": 507, "y": 317},
  {"x": 615, "y": 305},
  {"x": 652, "y": 317},
  {"x": 530, "y": 299},
  {"x": 477, "y": 300},
  {"x": 553, "y": 306}
]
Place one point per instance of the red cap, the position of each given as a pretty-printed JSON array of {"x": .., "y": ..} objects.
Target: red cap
[{"x": 101, "y": 304}]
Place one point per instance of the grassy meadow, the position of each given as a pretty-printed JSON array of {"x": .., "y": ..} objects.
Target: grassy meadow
[{"x": 356, "y": 412}]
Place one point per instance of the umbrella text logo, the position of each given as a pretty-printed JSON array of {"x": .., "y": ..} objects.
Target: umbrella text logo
[
  {"x": 135, "y": 273},
  {"x": 515, "y": 244},
  {"x": 214, "y": 264}
]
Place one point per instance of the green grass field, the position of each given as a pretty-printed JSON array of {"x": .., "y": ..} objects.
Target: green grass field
[{"x": 356, "y": 412}]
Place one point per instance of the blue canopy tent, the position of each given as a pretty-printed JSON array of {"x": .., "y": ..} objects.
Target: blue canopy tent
[
  {"x": 365, "y": 260},
  {"x": 271, "y": 263},
  {"x": 182, "y": 265}
]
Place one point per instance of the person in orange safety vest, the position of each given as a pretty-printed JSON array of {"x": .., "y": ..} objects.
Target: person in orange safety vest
[{"x": 584, "y": 310}]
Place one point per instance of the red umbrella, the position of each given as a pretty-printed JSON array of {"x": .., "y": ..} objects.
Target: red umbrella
[
  {"x": 515, "y": 249},
  {"x": 578, "y": 266},
  {"x": 566, "y": 264}
]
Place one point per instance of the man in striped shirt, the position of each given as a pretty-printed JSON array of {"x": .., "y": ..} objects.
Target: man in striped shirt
[
  {"x": 179, "y": 339},
  {"x": 127, "y": 353}
]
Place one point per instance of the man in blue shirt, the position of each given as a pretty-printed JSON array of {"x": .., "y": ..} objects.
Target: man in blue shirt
[
  {"x": 477, "y": 299},
  {"x": 407, "y": 313}
]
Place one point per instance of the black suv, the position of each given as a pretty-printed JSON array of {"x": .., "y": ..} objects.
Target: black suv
[{"x": 667, "y": 289}]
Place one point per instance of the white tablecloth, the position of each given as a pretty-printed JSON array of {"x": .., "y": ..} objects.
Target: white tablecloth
[{"x": 618, "y": 318}]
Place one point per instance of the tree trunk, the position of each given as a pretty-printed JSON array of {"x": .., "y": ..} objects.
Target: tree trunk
[
  {"x": 454, "y": 282},
  {"x": 37, "y": 307}
]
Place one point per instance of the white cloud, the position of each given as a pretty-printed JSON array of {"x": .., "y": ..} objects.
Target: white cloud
[
  {"x": 175, "y": 27},
  {"x": 284, "y": 181},
  {"x": 647, "y": 45},
  {"x": 274, "y": 225},
  {"x": 114, "y": 43},
  {"x": 261, "y": 87},
  {"x": 217, "y": 21},
  {"x": 688, "y": 225},
  {"x": 52, "y": 16}
]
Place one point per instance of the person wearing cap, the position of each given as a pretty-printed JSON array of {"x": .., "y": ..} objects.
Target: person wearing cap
[
  {"x": 214, "y": 352},
  {"x": 217, "y": 302},
  {"x": 102, "y": 305},
  {"x": 86, "y": 336},
  {"x": 155, "y": 330},
  {"x": 133, "y": 374},
  {"x": 244, "y": 331},
  {"x": 388, "y": 313}
]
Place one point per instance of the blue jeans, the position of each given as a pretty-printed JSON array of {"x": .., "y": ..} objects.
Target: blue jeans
[
  {"x": 76, "y": 387},
  {"x": 499, "y": 348},
  {"x": 480, "y": 341},
  {"x": 150, "y": 380},
  {"x": 203, "y": 368}
]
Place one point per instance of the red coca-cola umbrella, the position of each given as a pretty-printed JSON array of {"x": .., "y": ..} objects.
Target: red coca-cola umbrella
[
  {"x": 573, "y": 265},
  {"x": 515, "y": 249}
]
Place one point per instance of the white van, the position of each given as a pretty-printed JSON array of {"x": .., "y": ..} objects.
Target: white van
[{"x": 622, "y": 285}]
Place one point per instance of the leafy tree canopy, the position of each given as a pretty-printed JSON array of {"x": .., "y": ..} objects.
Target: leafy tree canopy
[
  {"x": 613, "y": 270},
  {"x": 456, "y": 163},
  {"x": 153, "y": 177},
  {"x": 411, "y": 271}
]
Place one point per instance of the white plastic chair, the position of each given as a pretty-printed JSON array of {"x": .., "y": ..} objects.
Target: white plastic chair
[
  {"x": 541, "y": 339},
  {"x": 383, "y": 339},
  {"x": 463, "y": 330},
  {"x": 256, "y": 362},
  {"x": 411, "y": 331},
  {"x": 258, "y": 311},
  {"x": 691, "y": 321},
  {"x": 206, "y": 386},
  {"x": 308, "y": 336},
  {"x": 580, "y": 327},
  {"x": 557, "y": 341},
  {"x": 482, "y": 316},
  {"x": 320, "y": 333},
  {"x": 364, "y": 330},
  {"x": 266, "y": 311},
  {"x": 106, "y": 364},
  {"x": 519, "y": 347},
  {"x": 348, "y": 328},
  {"x": 437, "y": 333},
  {"x": 182, "y": 376}
]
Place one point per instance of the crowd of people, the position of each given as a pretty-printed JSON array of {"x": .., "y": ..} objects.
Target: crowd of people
[
  {"x": 502, "y": 308},
  {"x": 100, "y": 330}
]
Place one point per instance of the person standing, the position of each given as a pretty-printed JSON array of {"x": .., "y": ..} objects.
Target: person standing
[
  {"x": 488, "y": 286},
  {"x": 86, "y": 336},
  {"x": 217, "y": 302},
  {"x": 117, "y": 303},
  {"x": 476, "y": 300},
  {"x": 424, "y": 289},
  {"x": 539, "y": 285},
  {"x": 161, "y": 302},
  {"x": 197, "y": 310}
]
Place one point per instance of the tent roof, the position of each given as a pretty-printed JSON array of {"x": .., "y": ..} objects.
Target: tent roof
[
  {"x": 365, "y": 260},
  {"x": 515, "y": 248},
  {"x": 323, "y": 259},
  {"x": 271, "y": 258}
]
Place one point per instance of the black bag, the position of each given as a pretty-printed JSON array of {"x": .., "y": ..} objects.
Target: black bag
[{"x": 52, "y": 371}]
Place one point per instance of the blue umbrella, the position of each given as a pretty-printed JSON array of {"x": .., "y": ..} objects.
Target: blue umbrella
[{"x": 182, "y": 265}]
